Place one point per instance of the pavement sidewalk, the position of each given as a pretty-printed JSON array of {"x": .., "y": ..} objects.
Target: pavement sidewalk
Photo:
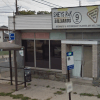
[{"x": 44, "y": 90}]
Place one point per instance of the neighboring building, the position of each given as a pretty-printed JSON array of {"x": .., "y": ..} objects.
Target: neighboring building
[
  {"x": 1, "y": 36},
  {"x": 45, "y": 48},
  {"x": 4, "y": 37}
]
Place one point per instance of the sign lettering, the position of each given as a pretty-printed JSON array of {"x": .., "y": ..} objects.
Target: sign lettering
[{"x": 77, "y": 17}]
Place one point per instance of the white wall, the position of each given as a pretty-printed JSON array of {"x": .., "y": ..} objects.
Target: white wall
[
  {"x": 23, "y": 22},
  {"x": 1, "y": 36}
]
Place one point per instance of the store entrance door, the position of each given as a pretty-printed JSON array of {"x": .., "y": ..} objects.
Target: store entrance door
[{"x": 77, "y": 50}]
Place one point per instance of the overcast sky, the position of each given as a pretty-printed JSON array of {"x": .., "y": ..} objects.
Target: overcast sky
[{"x": 9, "y": 6}]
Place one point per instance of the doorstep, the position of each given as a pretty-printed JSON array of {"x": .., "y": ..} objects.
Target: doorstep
[{"x": 81, "y": 81}]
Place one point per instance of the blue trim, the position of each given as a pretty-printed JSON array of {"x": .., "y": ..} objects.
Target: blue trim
[
  {"x": 70, "y": 67},
  {"x": 69, "y": 54}
]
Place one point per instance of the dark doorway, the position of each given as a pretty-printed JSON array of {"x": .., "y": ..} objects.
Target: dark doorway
[
  {"x": 42, "y": 53},
  {"x": 29, "y": 52},
  {"x": 55, "y": 51}
]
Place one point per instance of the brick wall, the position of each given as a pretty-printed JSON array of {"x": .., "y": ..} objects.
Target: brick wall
[
  {"x": 27, "y": 35},
  {"x": 98, "y": 62},
  {"x": 18, "y": 39},
  {"x": 94, "y": 61},
  {"x": 64, "y": 48},
  {"x": 63, "y": 55},
  {"x": 42, "y": 35}
]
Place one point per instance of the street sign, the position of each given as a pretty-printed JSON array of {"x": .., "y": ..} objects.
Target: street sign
[
  {"x": 70, "y": 60},
  {"x": 11, "y": 36},
  {"x": 69, "y": 87},
  {"x": 21, "y": 52},
  {"x": 76, "y": 17},
  {"x": 70, "y": 65}
]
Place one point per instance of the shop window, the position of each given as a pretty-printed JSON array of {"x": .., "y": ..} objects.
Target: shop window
[
  {"x": 29, "y": 52},
  {"x": 55, "y": 52},
  {"x": 42, "y": 53}
]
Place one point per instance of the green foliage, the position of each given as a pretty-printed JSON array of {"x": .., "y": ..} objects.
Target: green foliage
[
  {"x": 58, "y": 92},
  {"x": 25, "y": 98},
  {"x": 48, "y": 98},
  {"x": 63, "y": 89},
  {"x": 13, "y": 90},
  {"x": 86, "y": 94},
  {"x": 74, "y": 92},
  {"x": 43, "y": 12},
  {"x": 47, "y": 86},
  {"x": 48, "y": 71},
  {"x": 4, "y": 53},
  {"x": 98, "y": 95},
  {"x": 18, "y": 96},
  {"x": 53, "y": 87},
  {"x": 9, "y": 83},
  {"x": 5, "y": 94},
  {"x": 28, "y": 12},
  {"x": 29, "y": 84}
]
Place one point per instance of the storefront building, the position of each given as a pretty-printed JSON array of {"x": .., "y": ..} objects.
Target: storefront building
[{"x": 47, "y": 40}]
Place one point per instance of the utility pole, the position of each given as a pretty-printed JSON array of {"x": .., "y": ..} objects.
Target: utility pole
[
  {"x": 16, "y": 8},
  {"x": 79, "y": 2},
  {"x": 69, "y": 81}
]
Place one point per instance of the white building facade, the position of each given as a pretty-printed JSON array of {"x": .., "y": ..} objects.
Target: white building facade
[{"x": 47, "y": 39}]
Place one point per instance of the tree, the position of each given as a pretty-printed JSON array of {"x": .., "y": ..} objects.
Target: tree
[
  {"x": 28, "y": 12},
  {"x": 43, "y": 12}
]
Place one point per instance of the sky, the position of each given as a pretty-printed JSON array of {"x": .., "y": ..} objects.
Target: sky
[{"x": 7, "y": 7}]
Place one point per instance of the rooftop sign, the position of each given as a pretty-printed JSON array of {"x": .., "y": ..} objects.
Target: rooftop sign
[{"x": 76, "y": 17}]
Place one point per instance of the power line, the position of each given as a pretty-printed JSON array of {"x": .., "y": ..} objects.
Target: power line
[
  {"x": 7, "y": 4},
  {"x": 22, "y": 7},
  {"x": 6, "y": 12},
  {"x": 43, "y": 3},
  {"x": 3, "y": 22},
  {"x": 51, "y": 3},
  {"x": 28, "y": 3},
  {"x": 47, "y": 4},
  {"x": 40, "y": 2},
  {"x": 4, "y": 15}
]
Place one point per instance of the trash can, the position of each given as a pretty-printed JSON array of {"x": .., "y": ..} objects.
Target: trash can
[{"x": 27, "y": 74}]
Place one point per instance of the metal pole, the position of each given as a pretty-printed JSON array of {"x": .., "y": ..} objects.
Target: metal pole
[
  {"x": 49, "y": 56},
  {"x": 14, "y": 21},
  {"x": 79, "y": 2},
  {"x": 16, "y": 8},
  {"x": 69, "y": 81},
  {"x": 24, "y": 67},
  {"x": 10, "y": 64},
  {"x": 34, "y": 51},
  {"x": 15, "y": 64}
]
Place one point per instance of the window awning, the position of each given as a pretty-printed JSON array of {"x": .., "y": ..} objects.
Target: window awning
[
  {"x": 10, "y": 46},
  {"x": 79, "y": 42}
]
